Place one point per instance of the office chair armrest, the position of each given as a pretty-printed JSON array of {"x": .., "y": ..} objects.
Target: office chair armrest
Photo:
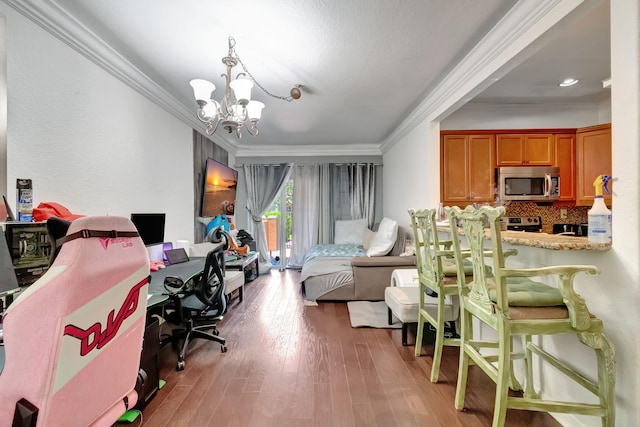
[{"x": 173, "y": 285}]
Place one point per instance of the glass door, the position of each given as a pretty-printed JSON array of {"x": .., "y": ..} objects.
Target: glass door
[{"x": 277, "y": 226}]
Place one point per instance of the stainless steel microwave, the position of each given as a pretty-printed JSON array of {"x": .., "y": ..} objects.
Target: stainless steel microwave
[{"x": 529, "y": 183}]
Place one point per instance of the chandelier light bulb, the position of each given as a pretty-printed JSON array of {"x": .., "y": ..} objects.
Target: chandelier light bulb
[
  {"x": 202, "y": 90},
  {"x": 242, "y": 90},
  {"x": 254, "y": 110},
  {"x": 211, "y": 109}
]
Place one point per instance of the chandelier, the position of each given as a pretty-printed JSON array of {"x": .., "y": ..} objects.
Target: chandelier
[{"x": 236, "y": 108}]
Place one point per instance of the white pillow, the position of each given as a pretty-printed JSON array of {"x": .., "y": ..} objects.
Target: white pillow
[
  {"x": 349, "y": 231},
  {"x": 385, "y": 238}
]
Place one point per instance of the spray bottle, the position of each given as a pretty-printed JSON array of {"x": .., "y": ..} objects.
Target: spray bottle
[{"x": 599, "y": 215}]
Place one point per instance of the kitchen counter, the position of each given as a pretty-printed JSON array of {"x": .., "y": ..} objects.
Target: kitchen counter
[{"x": 546, "y": 241}]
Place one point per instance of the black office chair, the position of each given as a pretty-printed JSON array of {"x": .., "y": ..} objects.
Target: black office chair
[{"x": 201, "y": 305}]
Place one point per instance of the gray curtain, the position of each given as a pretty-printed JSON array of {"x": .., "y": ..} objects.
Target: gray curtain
[
  {"x": 325, "y": 222},
  {"x": 264, "y": 183},
  {"x": 352, "y": 190},
  {"x": 362, "y": 195},
  {"x": 305, "y": 213}
]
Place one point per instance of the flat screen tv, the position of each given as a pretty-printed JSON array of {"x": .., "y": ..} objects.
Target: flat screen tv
[
  {"x": 150, "y": 227},
  {"x": 219, "y": 189}
]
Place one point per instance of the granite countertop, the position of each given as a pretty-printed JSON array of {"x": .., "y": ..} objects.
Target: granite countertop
[{"x": 546, "y": 241}]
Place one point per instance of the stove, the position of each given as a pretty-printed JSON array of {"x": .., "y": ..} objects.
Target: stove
[{"x": 523, "y": 223}]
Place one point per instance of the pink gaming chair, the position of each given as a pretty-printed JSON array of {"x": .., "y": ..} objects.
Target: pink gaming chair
[{"x": 73, "y": 339}]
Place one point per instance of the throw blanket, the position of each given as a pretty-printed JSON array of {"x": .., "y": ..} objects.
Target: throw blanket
[
  {"x": 331, "y": 264},
  {"x": 343, "y": 250}
]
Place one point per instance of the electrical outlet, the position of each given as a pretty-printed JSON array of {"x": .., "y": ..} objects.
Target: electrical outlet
[{"x": 563, "y": 213}]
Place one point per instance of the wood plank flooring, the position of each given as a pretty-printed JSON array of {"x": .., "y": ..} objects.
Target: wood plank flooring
[{"x": 294, "y": 365}]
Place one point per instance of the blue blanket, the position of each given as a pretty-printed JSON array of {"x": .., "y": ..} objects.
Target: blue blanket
[{"x": 343, "y": 250}]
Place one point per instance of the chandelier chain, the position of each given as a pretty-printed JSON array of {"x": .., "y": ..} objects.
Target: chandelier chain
[{"x": 235, "y": 54}]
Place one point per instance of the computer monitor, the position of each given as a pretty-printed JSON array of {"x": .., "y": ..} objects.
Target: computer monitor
[
  {"x": 8, "y": 281},
  {"x": 30, "y": 249},
  {"x": 150, "y": 226}
]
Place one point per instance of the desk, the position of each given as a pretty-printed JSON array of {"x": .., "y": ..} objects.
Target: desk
[{"x": 186, "y": 271}]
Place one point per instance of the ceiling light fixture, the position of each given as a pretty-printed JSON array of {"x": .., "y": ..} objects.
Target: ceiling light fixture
[
  {"x": 568, "y": 82},
  {"x": 236, "y": 108}
]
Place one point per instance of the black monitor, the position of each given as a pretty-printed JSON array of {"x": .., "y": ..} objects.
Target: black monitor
[
  {"x": 30, "y": 249},
  {"x": 150, "y": 226},
  {"x": 8, "y": 280}
]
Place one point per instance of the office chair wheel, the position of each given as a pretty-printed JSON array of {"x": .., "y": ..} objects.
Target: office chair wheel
[
  {"x": 223, "y": 348},
  {"x": 180, "y": 365}
]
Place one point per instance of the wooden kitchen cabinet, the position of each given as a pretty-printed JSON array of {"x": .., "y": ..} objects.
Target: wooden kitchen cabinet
[
  {"x": 525, "y": 149},
  {"x": 565, "y": 159},
  {"x": 593, "y": 158},
  {"x": 467, "y": 169}
]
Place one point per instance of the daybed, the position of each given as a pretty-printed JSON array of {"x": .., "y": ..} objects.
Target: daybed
[{"x": 344, "y": 272}]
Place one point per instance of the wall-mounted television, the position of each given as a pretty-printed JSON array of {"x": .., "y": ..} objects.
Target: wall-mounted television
[
  {"x": 219, "y": 189},
  {"x": 150, "y": 226}
]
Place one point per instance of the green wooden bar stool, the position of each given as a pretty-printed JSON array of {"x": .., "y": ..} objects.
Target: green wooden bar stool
[
  {"x": 525, "y": 308},
  {"x": 437, "y": 275}
]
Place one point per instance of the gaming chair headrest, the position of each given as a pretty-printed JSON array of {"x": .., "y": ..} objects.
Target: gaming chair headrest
[{"x": 56, "y": 228}]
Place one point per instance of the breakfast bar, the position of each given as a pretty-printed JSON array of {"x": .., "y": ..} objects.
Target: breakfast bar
[{"x": 543, "y": 240}]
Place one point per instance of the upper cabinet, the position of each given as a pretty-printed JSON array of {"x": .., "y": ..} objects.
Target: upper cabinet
[
  {"x": 469, "y": 158},
  {"x": 520, "y": 149},
  {"x": 565, "y": 159},
  {"x": 467, "y": 169},
  {"x": 593, "y": 158}
]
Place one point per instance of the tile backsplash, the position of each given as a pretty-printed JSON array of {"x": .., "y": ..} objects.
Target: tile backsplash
[{"x": 550, "y": 214}]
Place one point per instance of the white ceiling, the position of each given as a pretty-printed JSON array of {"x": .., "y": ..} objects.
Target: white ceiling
[
  {"x": 364, "y": 64},
  {"x": 579, "y": 47}
]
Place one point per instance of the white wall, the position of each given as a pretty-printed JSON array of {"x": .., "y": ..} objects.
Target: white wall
[
  {"x": 613, "y": 295},
  {"x": 412, "y": 173},
  {"x": 527, "y": 116},
  {"x": 87, "y": 140}
]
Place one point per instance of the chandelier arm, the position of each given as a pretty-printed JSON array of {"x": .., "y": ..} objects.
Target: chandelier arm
[
  {"x": 200, "y": 114},
  {"x": 212, "y": 124},
  {"x": 253, "y": 130},
  {"x": 211, "y": 129}
]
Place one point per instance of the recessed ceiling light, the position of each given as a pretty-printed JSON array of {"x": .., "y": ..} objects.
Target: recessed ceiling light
[{"x": 568, "y": 82}]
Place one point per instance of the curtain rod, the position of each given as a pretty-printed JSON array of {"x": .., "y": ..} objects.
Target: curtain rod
[{"x": 302, "y": 164}]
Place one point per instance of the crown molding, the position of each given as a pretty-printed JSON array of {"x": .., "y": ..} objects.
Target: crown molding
[
  {"x": 57, "y": 22},
  {"x": 309, "y": 151},
  {"x": 520, "y": 26}
]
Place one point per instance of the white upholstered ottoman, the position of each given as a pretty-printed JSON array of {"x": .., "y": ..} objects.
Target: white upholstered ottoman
[{"x": 404, "y": 301}]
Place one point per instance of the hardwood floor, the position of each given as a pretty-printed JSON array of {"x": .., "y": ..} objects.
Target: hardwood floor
[{"x": 294, "y": 365}]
